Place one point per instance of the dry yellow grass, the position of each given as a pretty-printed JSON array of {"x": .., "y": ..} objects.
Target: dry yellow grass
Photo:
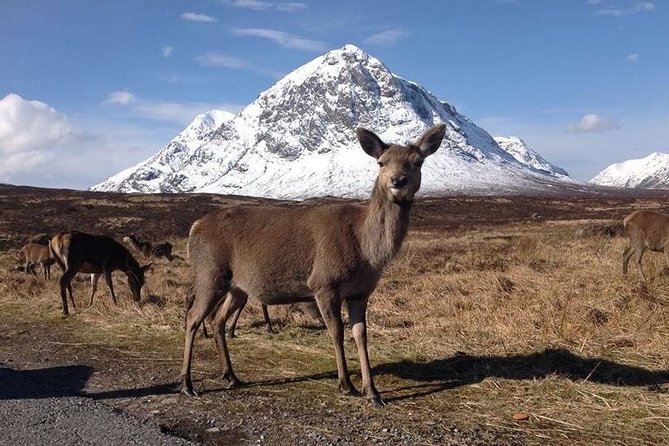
[{"x": 469, "y": 326}]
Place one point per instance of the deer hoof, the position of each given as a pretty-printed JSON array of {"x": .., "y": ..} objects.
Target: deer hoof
[
  {"x": 233, "y": 381},
  {"x": 188, "y": 391},
  {"x": 351, "y": 391},
  {"x": 377, "y": 401}
]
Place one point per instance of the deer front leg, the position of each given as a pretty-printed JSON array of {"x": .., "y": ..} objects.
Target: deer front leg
[
  {"x": 268, "y": 321},
  {"x": 94, "y": 286},
  {"x": 357, "y": 313},
  {"x": 330, "y": 306},
  {"x": 110, "y": 285}
]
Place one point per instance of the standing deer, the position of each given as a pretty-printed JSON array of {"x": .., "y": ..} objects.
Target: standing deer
[
  {"x": 646, "y": 230},
  {"x": 332, "y": 253},
  {"x": 96, "y": 254},
  {"x": 36, "y": 254}
]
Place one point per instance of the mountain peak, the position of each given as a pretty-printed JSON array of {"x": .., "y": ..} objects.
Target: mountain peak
[
  {"x": 650, "y": 172},
  {"x": 297, "y": 140}
]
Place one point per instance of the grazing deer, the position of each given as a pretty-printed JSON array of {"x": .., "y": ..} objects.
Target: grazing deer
[
  {"x": 96, "y": 254},
  {"x": 35, "y": 254},
  {"x": 150, "y": 251},
  {"x": 646, "y": 230},
  {"x": 332, "y": 253},
  {"x": 39, "y": 239}
]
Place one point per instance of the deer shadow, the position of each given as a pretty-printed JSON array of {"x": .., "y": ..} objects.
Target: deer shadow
[{"x": 462, "y": 369}]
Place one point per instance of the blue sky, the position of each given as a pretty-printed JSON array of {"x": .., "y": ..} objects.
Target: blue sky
[{"x": 88, "y": 88}]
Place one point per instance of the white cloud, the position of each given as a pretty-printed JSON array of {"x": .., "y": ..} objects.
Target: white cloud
[
  {"x": 258, "y": 5},
  {"x": 593, "y": 123},
  {"x": 28, "y": 130},
  {"x": 632, "y": 58},
  {"x": 120, "y": 97},
  {"x": 167, "y": 51},
  {"x": 386, "y": 37},
  {"x": 181, "y": 113},
  {"x": 617, "y": 11},
  {"x": 282, "y": 38},
  {"x": 195, "y": 17},
  {"x": 215, "y": 59}
]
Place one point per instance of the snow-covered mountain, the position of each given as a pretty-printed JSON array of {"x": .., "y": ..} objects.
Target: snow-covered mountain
[
  {"x": 651, "y": 172},
  {"x": 297, "y": 140},
  {"x": 517, "y": 148}
]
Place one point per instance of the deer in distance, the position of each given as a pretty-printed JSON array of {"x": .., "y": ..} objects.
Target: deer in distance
[
  {"x": 646, "y": 230},
  {"x": 78, "y": 252},
  {"x": 333, "y": 254},
  {"x": 150, "y": 251},
  {"x": 37, "y": 254}
]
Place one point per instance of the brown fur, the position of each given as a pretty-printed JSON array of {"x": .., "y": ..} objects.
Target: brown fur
[
  {"x": 96, "y": 254},
  {"x": 39, "y": 239},
  {"x": 280, "y": 255},
  {"x": 646, "y": 230},
  {"x": 36, "y": 254},
  {"x": 150, "y": 251}
]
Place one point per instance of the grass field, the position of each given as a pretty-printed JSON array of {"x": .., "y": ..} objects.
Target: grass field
[{"x": 513, "y": 329}]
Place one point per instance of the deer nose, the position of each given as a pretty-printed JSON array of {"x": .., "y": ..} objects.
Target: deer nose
[{"x": 399, "y": 181}]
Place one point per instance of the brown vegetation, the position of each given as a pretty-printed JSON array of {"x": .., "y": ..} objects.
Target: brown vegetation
[{"x": 485, "y": 314}]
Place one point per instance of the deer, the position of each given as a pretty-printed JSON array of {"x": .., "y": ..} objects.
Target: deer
[
  {"x": 150, "y": 251},
  {"x": 331, "y": 254},
  {"x": 98, "y": 255},
  {"x": 645, "y": 230},
  {"x": 36, "y": 254},
  {"x": 308, "y": 308}
]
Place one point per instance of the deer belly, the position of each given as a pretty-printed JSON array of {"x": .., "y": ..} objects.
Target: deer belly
[{"x": 87, "y": 268}]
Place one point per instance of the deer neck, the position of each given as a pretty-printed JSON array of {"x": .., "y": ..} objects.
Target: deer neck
[{"x": 384, "y": 227}]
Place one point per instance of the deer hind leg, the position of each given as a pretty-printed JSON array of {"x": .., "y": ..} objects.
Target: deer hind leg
[
  {"x": 94, "y": 286},
  {"x": 235, "y": 301},
  {"x": 638, "y": 255},
  {"x": 329, "y": 304},
  {"x": 357, "y": 313},
  {"x": 627, "y": 255},
  {"x": 207, "y": 297},
  {"x": 66, "y": 286},
  {"x": 235, "y": 317}
]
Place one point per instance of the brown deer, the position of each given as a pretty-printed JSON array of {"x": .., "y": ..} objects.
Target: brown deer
[
  {"x": 308, "y": 308},
  {"x": 95, "y": 254},
  {"x": 36, "y": 254},
  {"x": 332, "y": 253},
  {"x": 646, "y": 230},
  {"x": 150, "y": 251}
]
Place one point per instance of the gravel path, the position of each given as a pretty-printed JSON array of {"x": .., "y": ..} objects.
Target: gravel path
[{"x": 32, "y": 413}]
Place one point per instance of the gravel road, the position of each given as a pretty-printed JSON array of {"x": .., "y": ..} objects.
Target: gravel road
[{"x": 32, "y": 413}]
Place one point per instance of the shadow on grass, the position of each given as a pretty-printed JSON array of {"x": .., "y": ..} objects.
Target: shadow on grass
[{"x": 462, "y": 369}]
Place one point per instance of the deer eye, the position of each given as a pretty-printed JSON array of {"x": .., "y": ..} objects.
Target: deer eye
[
  {"x": 381, "y": 164},
  {"x": 418, "y": 163}
]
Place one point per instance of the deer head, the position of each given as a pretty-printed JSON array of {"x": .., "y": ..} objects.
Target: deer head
[{"x": 400, "y": 166}]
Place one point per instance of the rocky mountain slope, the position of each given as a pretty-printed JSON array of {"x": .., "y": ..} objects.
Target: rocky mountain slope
[
  {"x": 297, "y": 140},
  {"x": 651, "y": 172}
]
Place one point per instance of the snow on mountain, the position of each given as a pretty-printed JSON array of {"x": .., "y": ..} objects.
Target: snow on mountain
[
  {"x": 147, "y": 175},
  {"x": 651, "y": 172},
  {"x": 297, "y": 140},
  {"x": 517, "y": 148}
]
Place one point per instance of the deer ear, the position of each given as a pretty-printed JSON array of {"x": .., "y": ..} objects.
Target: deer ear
[
  {"x": 431, "y": 139},
  {"x": 370, "y": 143}
]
